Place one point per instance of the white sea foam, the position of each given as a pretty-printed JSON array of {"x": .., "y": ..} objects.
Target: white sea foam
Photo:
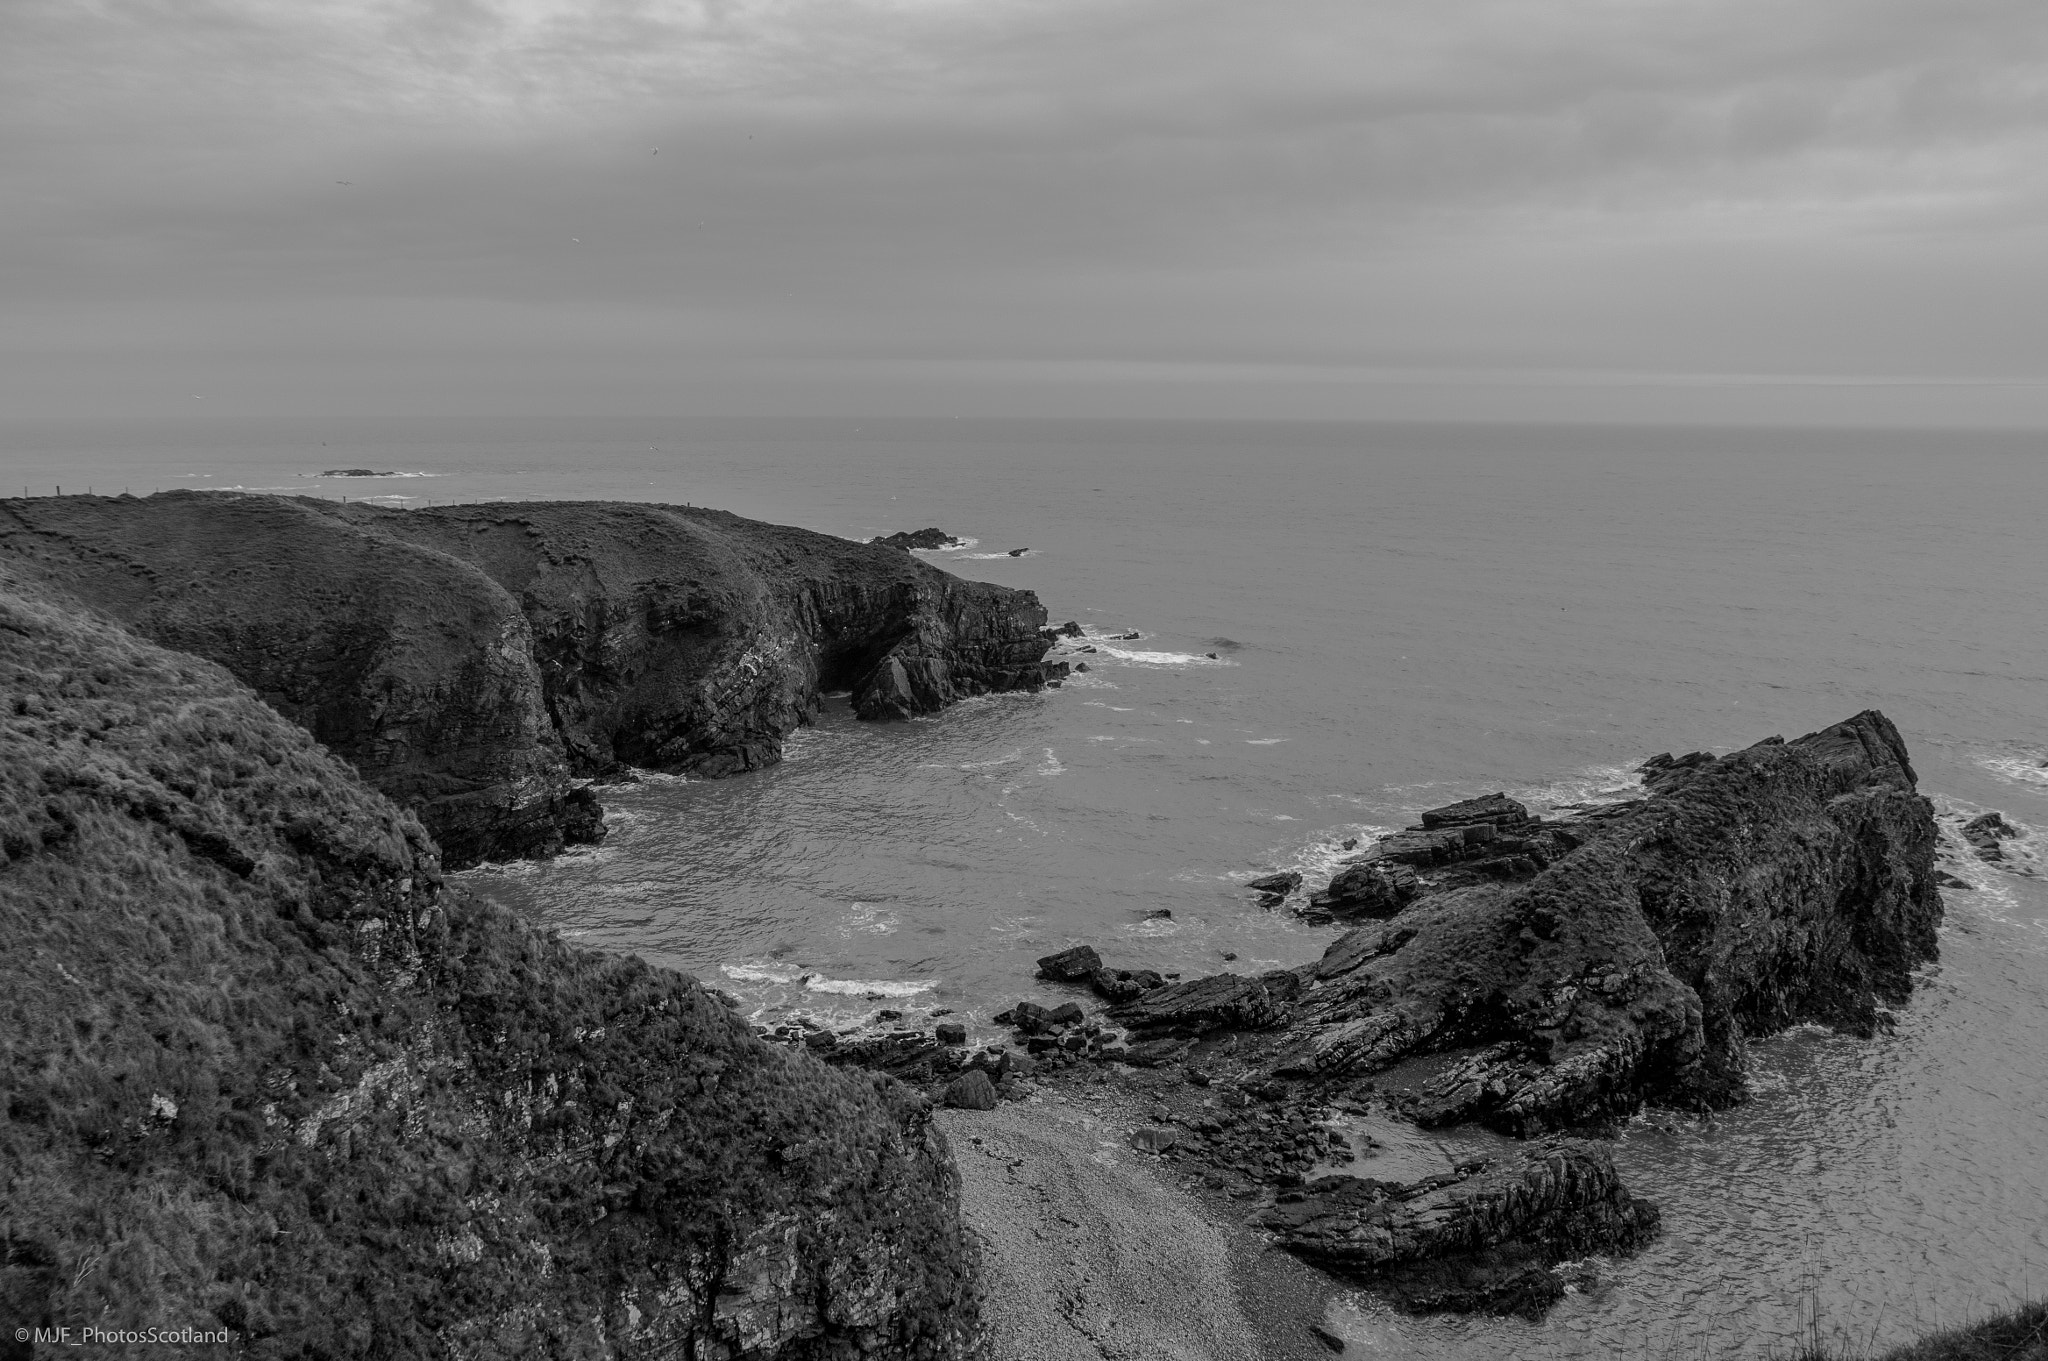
[
  {"x": 1140, "y": 658},
  {"x": 1050, "y": 765},
  {"x": 1592, "y": 785},
  {"x": 960, "y": 544},
  {"x": 2031, "y": 771},
  {"x": 990, "y": 557},
  {"x": 858, "y": 987},
  {"x": 759, "y": 973},
  {"x": 1266, "y": 741},
  {"x": 871, "y": 918}
]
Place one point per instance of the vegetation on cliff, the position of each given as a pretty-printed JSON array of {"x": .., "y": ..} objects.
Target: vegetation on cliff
[
  {"x": 262, "y": 1069},
  {"x": 473, "y": 662}
]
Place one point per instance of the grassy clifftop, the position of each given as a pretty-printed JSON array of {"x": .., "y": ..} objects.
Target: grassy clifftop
[{"x": 260, "y": 1068}]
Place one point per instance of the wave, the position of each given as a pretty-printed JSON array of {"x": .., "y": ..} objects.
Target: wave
[
  {"x": 959, "y": 545},
  {"x": 372, "y": 477},
  {"x": 1266, "y": 741},
  {"x": 1146, "y": 658},
  {"x": 1592, "y": 786},
  {"x": 857, "y": 987},
  {"x": 2026, "y": 770}
]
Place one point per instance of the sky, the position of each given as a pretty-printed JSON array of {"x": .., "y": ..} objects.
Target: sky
[{"x": 1747, "y": 211}]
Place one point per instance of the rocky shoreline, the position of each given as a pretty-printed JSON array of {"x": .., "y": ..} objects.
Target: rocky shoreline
[
  {"x": 481, "y": 665},
  {"x": 380, "y": 1082},
  {"x": 1540, "y": 980}
]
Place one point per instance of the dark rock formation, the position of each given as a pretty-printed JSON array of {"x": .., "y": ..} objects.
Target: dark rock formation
[
  {"x": 473, "y": 661},
  {"x": 918, "y": 538},
  {"x": 1985, "y": 831},
  {"x": 1070, "y": 966},
  {"x": 1480, "y": 1238},
  {"x": 357, "y": 472},
  {"x": 1125, "y": 985},
  {"x": 1372, "y": 889},
  {"x": 1785, "y": 883},
  {"x": 971, "y": 1091},
  {"x": 1285, "y": 882},
  {"x": 262, "y": 1067}
]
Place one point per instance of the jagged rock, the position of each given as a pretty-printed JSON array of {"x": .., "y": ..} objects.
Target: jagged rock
[
  {"x": 950, "y": 1032},
  {"x": 971, "y": 1091},
  {"x": 1070, "y": 966},
  {"x": 1491, "y": 810},
  {"x": 1284, "y": 882},
  {"x": 1788, "y": 882},
  {"x": 1125, "y": 985},
  {"x": 1985, "y": 831},
  {"x": 1221, "y": 1001},
  {"x": 1477, "y": 1238},
  {"x": 1372, "y": 888},
  {"x": 475, "y": 662},
  {"x": 1150, "y": 1139}
]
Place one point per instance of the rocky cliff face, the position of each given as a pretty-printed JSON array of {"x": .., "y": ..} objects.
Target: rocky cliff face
[
  {"x": 473, "y": 661},
  {"x": 1540, "y": 976},
  {"x": 1620, "y": 957},
  {"x": 262, "y": 1070}
]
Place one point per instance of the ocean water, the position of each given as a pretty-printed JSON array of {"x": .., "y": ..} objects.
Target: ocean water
[{"x": 1399, "y": 617}]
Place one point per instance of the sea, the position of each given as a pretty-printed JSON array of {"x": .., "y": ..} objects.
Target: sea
[{"x": 1299, "y": 635}]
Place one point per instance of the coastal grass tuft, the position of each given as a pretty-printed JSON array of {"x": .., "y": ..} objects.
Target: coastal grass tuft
[{"x": 2020, "y": 1335}]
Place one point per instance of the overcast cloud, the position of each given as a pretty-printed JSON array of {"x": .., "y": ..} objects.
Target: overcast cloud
[{"x": 1731, "y": 208}]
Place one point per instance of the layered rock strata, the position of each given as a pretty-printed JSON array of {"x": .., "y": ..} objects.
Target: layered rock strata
[
  {"x": 1623, "y": 956},
  {"x": 1477, "y": 1238},
  {"x": 263, "y": 1070},
  {"x": 476, "y": 662},
  {"x": 1536, "y": 976}
]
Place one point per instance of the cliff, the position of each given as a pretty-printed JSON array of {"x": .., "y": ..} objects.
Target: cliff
[
  {"x": 264, "y": 1070},
  {"x": 475, "y": 662}
]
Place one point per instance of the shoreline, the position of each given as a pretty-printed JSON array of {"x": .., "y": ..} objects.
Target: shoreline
[{"x": 1088, "y": 1249}]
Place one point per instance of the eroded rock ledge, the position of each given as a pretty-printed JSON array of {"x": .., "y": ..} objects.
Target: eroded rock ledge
[
  {"x": 1621, "y": 956},
  {"x": 476, "y": 662}
]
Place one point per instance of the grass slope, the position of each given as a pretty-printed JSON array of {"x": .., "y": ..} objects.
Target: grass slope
[{"x": 259, "y": 1066}]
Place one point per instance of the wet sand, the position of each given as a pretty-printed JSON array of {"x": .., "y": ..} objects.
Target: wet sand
[{"x": 1094, "y": 1250}]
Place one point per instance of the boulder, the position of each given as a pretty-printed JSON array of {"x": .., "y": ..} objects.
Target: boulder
[
  {"x": 1070, "y": 966},
  {"x": 951, "y": 1033},
  {"x": 1985, "y": 831},
  {"x": 1125, "y": 985},
  {"x": 1285, "y": 882},
  {"x": 1372, "y": 888},
  {"x": 971, "y": 1091},
  {"x": 1480, "y": 1237},
  {"x": 1495, "y": 810},
  {"x": 1220, "y": 1001},
  {"x": 1153, "y": 1139}
]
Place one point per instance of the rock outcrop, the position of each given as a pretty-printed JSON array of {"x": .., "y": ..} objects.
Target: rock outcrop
[
  {"x": 264, "y": 1070},
  {"x": 1480, "y": 1238},
  {"x": 476, "y": 662},
  {"x": 1630, "y": 954}
]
